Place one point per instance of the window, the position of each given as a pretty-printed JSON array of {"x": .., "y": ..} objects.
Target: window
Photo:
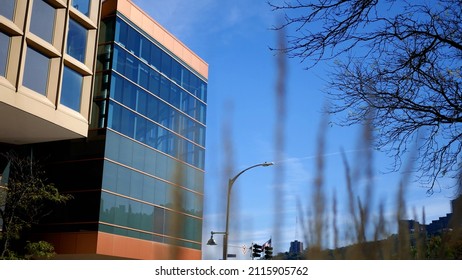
[
  {"x": 7, "y": 8},
  {"x": 121, "y": 32},
  {"x": 71, "y": 89},
  {"x": 43, "y": 20},
  {"x": 4, "y": 47},
  {"x": 166, "y": 64},
  {"x": 76, "y": 41},
  {"x": 156, "y": 57},
  {"x": 145, "y": 53},
  {"x": 36, "y": 71},
  {"x": 82, "y": 5}
]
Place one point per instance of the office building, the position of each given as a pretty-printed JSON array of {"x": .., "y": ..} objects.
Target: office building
[
  {"x": 47, "y": 54},
  {"x": 136, "y": 171},
  {"x": 296, "y": 247}
]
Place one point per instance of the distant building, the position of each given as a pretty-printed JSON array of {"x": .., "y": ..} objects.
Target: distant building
[
  {"x": 296, "y": 247},
  {"x": 442, "y": 224}
]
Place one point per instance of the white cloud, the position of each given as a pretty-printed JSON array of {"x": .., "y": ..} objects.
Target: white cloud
[{"x": 188, "y": 19}]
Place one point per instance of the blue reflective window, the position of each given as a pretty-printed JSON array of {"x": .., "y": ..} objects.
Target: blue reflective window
[
  {"x": 159, "y": 193},
  {"x": 147, "y": 217},
  {"x": 191, "y": 109},
  {"x": 151, "y": 135},
  {"x": 145, "y": 53},
  {"x": 121, "y": 32},
  {"x": 123, "y": 180},
  {"x": 140, "y": 129},
  {"x": 164, "y": 115},
  {"x": 152, "y": 107},
  {"x": 156, "y": 57},
  {"x": 139, "y": 155},
  {"x": 166, "y": 67},
  {"x": 127, "y": 119},
  {"x": 121, "y": 211},
  {"x": 128, "y": 37},
  {"x": 76, "y": 40},
  {"x": 118, "y": 59},
  {"x": 109, "y": 176},
  {"x": 117, "y": 87},
  {"x": 201, "y": 115},
  {"x": 128, "y": 94},
  {"x": 71, "y": 90},
  {"x": 7, "y": 8},
  {"x": 141, "y": 102},
  {"x": 203, "y": 91},
  {"x": 43, "y": 20},
  {"x": 82, "y": 5},
  {"x": 108, "y": 204},
  {"x": 143, "y": 75},
  {"x": 126, "y": 154},
  {"x": 154, "y": 82},
  {"x": 114, "y": 116},
  {"x": 164, "y": 88},
  {"x": 176, "y": 72},
  {"x": 175, "y": 95},
  {"x": 193, "y": 84},
  {"x": 134, "y": 214},
  {"x": 36, "y": 71},
  {"x": 133, "y": 41},
  {"x": 185, "y": 76},
  {"x": 137, "y": 127},
  {"x": 4, "y": 48},
  {"x": 148, "y": 189},
  {"x": 184, "y": 101},
  {"x": 131, "y": 67}
]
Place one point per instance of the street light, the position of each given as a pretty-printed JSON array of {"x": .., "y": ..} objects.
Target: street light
[
  {"x": 230, "y": 186},
  {"x": 211, "y": 241}
]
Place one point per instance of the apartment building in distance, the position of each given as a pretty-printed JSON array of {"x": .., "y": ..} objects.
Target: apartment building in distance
[{"x": 119, "y": 118}]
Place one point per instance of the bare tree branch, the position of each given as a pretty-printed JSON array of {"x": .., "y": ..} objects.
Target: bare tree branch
[{"x": 398, "y": 64}]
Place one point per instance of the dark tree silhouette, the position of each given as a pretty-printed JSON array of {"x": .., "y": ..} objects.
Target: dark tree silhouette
[
  {"x": 26, "y": 198},
  {"x": 397, "y": 64}
]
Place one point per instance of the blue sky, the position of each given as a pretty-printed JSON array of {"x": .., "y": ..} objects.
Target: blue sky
[{"x": 233, "y": 37}]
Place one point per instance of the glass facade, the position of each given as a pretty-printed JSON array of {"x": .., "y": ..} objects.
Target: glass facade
[
  {"x": 36, "y": 71},
  {"x": 82, "y": 5},
  {"x": 71, "y": 89},
  {"x": 152, "y": 55},
  {"x": 7, "y": 8},
  {"x": 43, "y": 20},
  {"x": 153, "y": 174},
  {"x": 76, "y": 41},
  {"x": 4, "y": 47}
]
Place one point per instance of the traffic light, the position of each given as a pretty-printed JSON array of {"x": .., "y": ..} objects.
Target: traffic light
[
  {"x": 268, "y": 252},
  {"x": 256, "y": 251}
]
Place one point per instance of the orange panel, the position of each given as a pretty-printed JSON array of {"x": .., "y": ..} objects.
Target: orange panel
[
  {"x": 72, "y": 242},
  {"x": 126, "y": 247}
]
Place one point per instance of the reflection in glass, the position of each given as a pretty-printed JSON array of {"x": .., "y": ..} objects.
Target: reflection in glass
[
  {"x": 76, "y": 41},
  {"x": 43, "y": 20},
  {"x": 71, "y": 89},
  {"x": 7, "y": 8},
  {"x": 4, "y": 47},
  {"x": 82, "y": 5},
  {"x": 36, "y": 71}
]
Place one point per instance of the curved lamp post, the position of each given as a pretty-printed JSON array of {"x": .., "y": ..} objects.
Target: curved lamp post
[{"x": 230, "y": 186}]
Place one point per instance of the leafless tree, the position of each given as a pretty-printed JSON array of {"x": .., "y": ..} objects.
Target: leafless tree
[{"x": 396, "y": 61}]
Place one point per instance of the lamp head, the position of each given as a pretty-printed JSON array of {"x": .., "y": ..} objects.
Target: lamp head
[
  {"x": 211, "y": 241},
  {"x": 267, "y": 163}
]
